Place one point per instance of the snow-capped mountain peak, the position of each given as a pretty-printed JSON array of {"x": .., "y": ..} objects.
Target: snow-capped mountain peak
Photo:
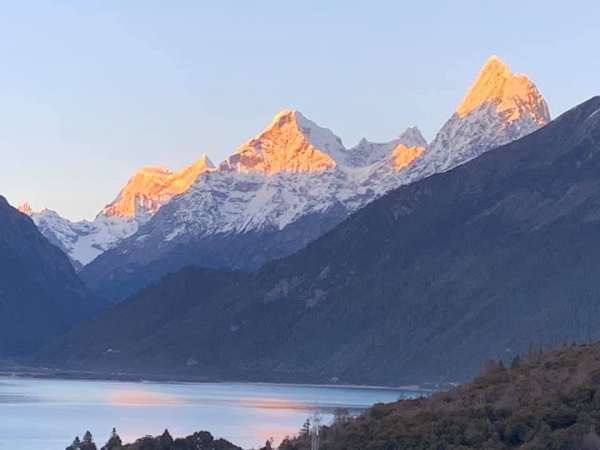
[
  {"x": 513, "y": 95},
  {"x": 153, "y": 186},
  {"x": 205, "y": 162},
  {"x": 81, "y": 241},
  {"x": 25, "y": 208},
  {"x": 291, "y": 144},
  {"x": 499, "y": 108},
  {"x": 412, "y": 137}
]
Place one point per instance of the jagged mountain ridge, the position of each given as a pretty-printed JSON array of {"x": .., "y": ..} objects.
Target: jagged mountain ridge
[
  {"x": 143, "y": 195},
  {"x": 295, "y": 169},
  {"x": 421, "y": 285},
  {"x": 41, "y": 297},
  {"x": 366, "y": 153},
  {"x": 82, "y": 241},
  {"x": 302, "y": 147},
  {"x": 259, "y": 205},
  {"x": 152, "y": 187}
]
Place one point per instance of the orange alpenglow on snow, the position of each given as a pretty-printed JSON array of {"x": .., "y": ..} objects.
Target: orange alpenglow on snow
[
  {"x": 152, "y": 187},
  {"x": 291, "y": 143},
  {"x": 25, "y": 208},
  {"x": 403, "y": 156},
  {"x": 512, "y": 94}
]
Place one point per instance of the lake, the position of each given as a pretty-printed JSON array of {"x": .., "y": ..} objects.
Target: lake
[{"x": 48, "y": 414}]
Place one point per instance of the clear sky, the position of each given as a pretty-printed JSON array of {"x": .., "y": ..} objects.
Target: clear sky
[{"x": 92, "y": 91}]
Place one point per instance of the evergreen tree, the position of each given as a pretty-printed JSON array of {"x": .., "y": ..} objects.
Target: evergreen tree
[
  {"x": 76, "y": 445},
  {"x": 305, "y": 430},
  {"x": 88, "y": 442},
  {"x": 114, "y": 442},
  {"x": 166, "y": 440},
  {"x": 268, "y": 445}
]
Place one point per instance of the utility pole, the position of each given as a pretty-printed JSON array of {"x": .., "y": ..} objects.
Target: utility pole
[{"x": 314, "y": 431}]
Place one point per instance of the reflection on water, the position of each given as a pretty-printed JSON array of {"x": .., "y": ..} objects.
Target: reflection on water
[
  {"x": 271, "y": 404},
  {"x": 47, "y": 414},
  {"x": 141, "y": 398}
]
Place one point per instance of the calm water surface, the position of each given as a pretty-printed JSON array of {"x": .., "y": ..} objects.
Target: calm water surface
[{"x": 47, "y": 414}]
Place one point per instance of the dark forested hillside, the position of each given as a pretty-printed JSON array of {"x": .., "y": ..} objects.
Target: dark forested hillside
[
  {"x": 40, "y": 294},
  {"x": 422, "y": 285},
  {"x": 143, "y": 320},
  {"x": 552, "y": 402}
]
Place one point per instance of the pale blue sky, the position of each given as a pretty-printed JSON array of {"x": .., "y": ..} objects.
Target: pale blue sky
[{"x": 92, "y": 91}]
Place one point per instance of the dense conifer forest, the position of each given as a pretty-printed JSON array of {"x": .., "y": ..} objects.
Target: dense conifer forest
[{"x": 550, "y": 402}]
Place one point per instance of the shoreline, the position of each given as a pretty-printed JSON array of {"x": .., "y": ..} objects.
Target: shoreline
[{"x": 125, "y": 377}]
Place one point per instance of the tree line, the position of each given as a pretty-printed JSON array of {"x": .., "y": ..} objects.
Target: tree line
[{"x": 201, "y": 440}]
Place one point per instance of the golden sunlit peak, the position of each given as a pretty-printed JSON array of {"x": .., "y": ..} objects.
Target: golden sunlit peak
[
  {"x": 283, "y": 113},
  {"x": 25, "y": 208},
  {"x": 291, "y": 143},
  {"x": 495, "y": 66},
  {"x": 494, "y": 60},
  {"x": 283, "y": 117},
  {"x": 153, "y": 186},
  {"x": 514, "y": 95},
  {"x": 286, "y": 116}
]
